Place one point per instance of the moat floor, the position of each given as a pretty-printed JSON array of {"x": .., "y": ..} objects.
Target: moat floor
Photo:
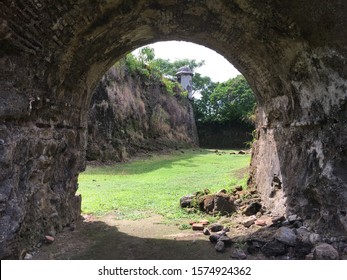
[{"x": 98, "y": 238}]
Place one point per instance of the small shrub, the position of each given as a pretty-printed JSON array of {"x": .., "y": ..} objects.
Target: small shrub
[
  {"x": 184, "y": 227},
  {"x": 169, "y": 85}
]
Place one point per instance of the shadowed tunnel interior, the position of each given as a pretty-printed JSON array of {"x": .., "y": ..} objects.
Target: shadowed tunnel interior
[{"x": 52, "y": 55}]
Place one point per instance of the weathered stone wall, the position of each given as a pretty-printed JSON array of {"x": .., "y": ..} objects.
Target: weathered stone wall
[
  {"x": 131, "y": 114},
  {"x": 41, "y": 154},
  {"x": 305, "y": 130},
  {"x": 233, "y": 135},
  {"x": 293, "y": 54}
]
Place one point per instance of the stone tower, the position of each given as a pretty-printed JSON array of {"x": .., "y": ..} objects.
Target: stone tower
[{"x": 185, "y": 78}]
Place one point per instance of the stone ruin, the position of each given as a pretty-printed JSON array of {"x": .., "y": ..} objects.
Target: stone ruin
[{"x": 52, "y": 55}]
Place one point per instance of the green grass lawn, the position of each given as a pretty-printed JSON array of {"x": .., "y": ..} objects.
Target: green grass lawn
[{"x": 155, "y": 185}]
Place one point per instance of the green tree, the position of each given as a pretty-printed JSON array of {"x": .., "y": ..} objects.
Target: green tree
[
  {"x": 232, "y": 100},
  {"x": 146, "y": 55},
  {"x": 147, "y": 64},
  {"x": 202, "y": 106},
  {"x": 170, "y": 68}
]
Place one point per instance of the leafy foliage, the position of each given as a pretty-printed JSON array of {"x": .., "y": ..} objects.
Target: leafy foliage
[
  {"x": 158, "y": 69},
  {"x": 232, "y": 100},
  {"x": 169, "y": 68}
]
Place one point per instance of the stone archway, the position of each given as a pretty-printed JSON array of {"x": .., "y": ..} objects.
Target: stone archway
[{"x": 293, "y": 54}]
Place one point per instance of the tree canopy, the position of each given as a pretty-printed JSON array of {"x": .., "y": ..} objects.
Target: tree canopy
[{"x": 232, "y": 100}]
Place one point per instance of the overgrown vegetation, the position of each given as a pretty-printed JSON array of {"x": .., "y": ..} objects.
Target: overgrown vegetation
[
  {"x": 158, "y": 69},
  {"x": 155, "y": 185},
  {"x": 230, "y": 101},
  {"x": 146, "y": 66}
]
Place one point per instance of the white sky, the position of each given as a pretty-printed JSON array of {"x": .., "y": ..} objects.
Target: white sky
[{"x": 216, "y": 66}]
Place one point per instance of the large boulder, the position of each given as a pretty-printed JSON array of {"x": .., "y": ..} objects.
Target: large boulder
[
  {"x": 325, "y": 251},
  {"x": 286, "y": 236},
  {"x": 274, "y": 249},
  {"x": 223, "y": 204},
  {"x": 252, "y": 209}
]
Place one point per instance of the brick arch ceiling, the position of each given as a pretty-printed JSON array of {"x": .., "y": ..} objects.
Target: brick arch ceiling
[{"x": 79, "y": 40}]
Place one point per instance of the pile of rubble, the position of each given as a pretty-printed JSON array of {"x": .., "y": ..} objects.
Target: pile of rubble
[
  {"x": 281, "y": 239},
  {"x": 251, "y": 232},
  {"x": 223, "y": 202}
]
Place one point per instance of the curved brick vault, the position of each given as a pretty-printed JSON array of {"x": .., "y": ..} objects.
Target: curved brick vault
[{"x": 52, "y": 54}]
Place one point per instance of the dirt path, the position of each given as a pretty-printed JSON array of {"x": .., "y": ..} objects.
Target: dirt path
[{"x": 108, "y": 238}]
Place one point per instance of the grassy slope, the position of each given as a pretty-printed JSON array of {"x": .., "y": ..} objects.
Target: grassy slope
[{"x": 155, "y": 185}]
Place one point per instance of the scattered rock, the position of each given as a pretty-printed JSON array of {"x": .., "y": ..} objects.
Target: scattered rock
[
  {"x": 238, "y": 188},
  {"x": 208, "y": 203},
  {"x": 261, "y": 223},
  {"x": 250, "y": 221},
  {"x": 223, "y": 204},
  {"x": 286, "y": 236},
  {"x": 278, "y": 220},
  {"x": 256, "y": 243},
  {"x": 197, "y": 226},
  {"x": 206, "y": 231},
  {"x": 293, "y": 218},
  {"x": 303, "y": 234},
  {"x": 28, "y": 256},
  {"x": 274, "y": 249},
  {"x": 258, "y": 215},
  {"x": 238, "y": 254},
  {"x": 215, "y": 227},
  {"x": 254, "y": 246},
  {"x": 252, "y": 209},
  {"x": 297, "y": 224},
  {"x": 204, "y": 222},
  {"x": 340, "y": 246},
  {"x": 302, "y": 249},
  {"x": 241, "y": 152},
  {"x": 325, "y": 251},
  {"x": 314, "y": 238},
  {"x": 220, "y": 246},
  {"x": 49, "y": 239},
  {"x": 186, "y": 201},
  {"x": 214, "y": 238},
  {"x": 226, "y": 239},
  {"x": 309, "y": 256},
  {"x": 285, "y": 223}
]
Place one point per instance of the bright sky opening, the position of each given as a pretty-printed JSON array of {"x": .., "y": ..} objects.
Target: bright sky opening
[{"x": 216, "y": 66}]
